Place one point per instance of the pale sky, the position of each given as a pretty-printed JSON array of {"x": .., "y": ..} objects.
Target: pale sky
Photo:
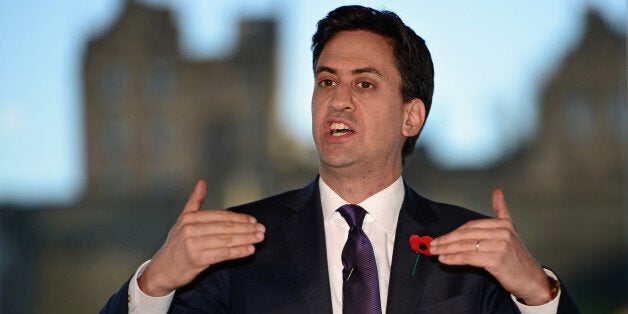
[{"x": 491, "y": 58}]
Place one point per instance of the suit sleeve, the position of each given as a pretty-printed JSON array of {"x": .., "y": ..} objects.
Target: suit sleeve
[
  {"x": 208, "y": 293},
  {"x": 118, "y": 303},
  {"x": 136, "y": 300},
  {"x": 567, "y": 303}
]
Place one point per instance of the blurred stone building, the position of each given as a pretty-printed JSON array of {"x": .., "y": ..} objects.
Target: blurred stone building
[
  {"x": 567, "y": 188},
  {"x": 157, "y": 121}
]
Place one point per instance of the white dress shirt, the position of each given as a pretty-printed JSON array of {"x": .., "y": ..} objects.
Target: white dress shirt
[{"x": 379, "y": 225}]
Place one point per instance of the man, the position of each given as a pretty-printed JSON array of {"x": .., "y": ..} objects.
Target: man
[{"x": 287, "y": 253}]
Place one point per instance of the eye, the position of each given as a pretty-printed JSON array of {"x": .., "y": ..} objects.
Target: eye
[
  {"x": 365, "y": 85},
  {"x": 326, "y": 83}
]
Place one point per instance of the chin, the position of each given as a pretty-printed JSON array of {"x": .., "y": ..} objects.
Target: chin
[{"x": 335, "y": 163}]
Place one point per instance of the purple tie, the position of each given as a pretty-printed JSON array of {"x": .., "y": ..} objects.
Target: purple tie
[{"x": 360, "y": 288}]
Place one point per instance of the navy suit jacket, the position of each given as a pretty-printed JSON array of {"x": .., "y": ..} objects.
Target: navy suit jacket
[{"x": 288, "y": 272}]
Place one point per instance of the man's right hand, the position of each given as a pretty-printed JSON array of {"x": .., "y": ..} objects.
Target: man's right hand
[{"x": 197, "y": 240}]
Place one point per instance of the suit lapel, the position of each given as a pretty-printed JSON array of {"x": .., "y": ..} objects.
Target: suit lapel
[
  {"x": 404, "y": 290},
  {"x": 304, "y": 235}
]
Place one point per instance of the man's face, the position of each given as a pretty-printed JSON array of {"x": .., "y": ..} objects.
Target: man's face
[{"x": 357, "y": 111}]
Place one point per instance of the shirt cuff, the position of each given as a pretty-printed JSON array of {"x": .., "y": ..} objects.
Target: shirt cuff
[
  {"x": 140, "y": 303},
  {"x": 549, "y": 307}
]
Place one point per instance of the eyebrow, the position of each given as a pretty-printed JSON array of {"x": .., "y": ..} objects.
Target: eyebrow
[
  {"x": 353, "y": 72},
  {"x": 325, "y": 69},
  {"x": 368, "y": 70}
]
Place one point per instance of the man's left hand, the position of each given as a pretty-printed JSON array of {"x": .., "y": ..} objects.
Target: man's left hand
[{"x": 493, "y": 244}]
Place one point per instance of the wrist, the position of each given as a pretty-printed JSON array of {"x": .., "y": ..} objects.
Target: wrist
[
  {"x": 546, "y": 294},
  {"x": 147, "y": 283}
]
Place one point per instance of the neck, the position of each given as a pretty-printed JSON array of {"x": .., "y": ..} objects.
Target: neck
[{"x": 356, "y": 187}]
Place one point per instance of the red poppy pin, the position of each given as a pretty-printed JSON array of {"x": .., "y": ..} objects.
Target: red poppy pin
[{"x": 421, "y": 245}]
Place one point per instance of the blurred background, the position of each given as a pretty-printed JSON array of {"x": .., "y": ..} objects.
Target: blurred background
[{"x": 110, "y": 110}]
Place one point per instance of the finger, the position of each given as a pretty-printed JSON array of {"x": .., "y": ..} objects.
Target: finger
[
  {"x": 214, "y": 256},
  {"x": 219, "y": 215},
  {"x": 200, "y": 258},
  {"x": 453, "y": 247},
  {"x": 477, "y": 259},
  {"x": 229, "y": 240},
  {"x": 220, "y": 227},
  {"x": 499, "y": 230},
  {"x": 470, "y": 245},
  {"x": 499, "y": 205},
  {"x": 197, "y": 198},
  {"x": 486, "y": 223}
]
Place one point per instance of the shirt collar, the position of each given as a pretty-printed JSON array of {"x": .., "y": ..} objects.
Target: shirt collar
[{"x": 383, "y": 206}]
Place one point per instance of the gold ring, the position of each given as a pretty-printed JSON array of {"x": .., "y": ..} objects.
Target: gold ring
[{"x": 477, "y": 246}]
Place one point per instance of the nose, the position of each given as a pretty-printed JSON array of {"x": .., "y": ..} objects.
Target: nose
[{"x": 342, "y": 99}]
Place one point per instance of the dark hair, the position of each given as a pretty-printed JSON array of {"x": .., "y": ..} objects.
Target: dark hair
[{"x": 413, "y": 59}]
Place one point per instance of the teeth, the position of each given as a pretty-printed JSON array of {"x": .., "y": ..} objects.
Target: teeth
[
  {"x": 337, "y": 129},
  {"x": 339, "y": 126}
]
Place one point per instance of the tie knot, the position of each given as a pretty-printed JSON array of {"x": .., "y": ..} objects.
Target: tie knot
[{"x": 353, "y": 214}]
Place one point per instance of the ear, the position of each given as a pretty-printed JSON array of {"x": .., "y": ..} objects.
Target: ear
[{"x": 413, "y": 117}]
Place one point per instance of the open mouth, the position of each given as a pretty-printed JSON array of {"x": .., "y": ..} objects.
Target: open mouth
[{"x": 339, "y": 129}]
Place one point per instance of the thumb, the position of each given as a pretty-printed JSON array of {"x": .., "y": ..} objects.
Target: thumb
[
  {"x": 197, "y": 198},
  {"x": 499, "y": 205}
]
